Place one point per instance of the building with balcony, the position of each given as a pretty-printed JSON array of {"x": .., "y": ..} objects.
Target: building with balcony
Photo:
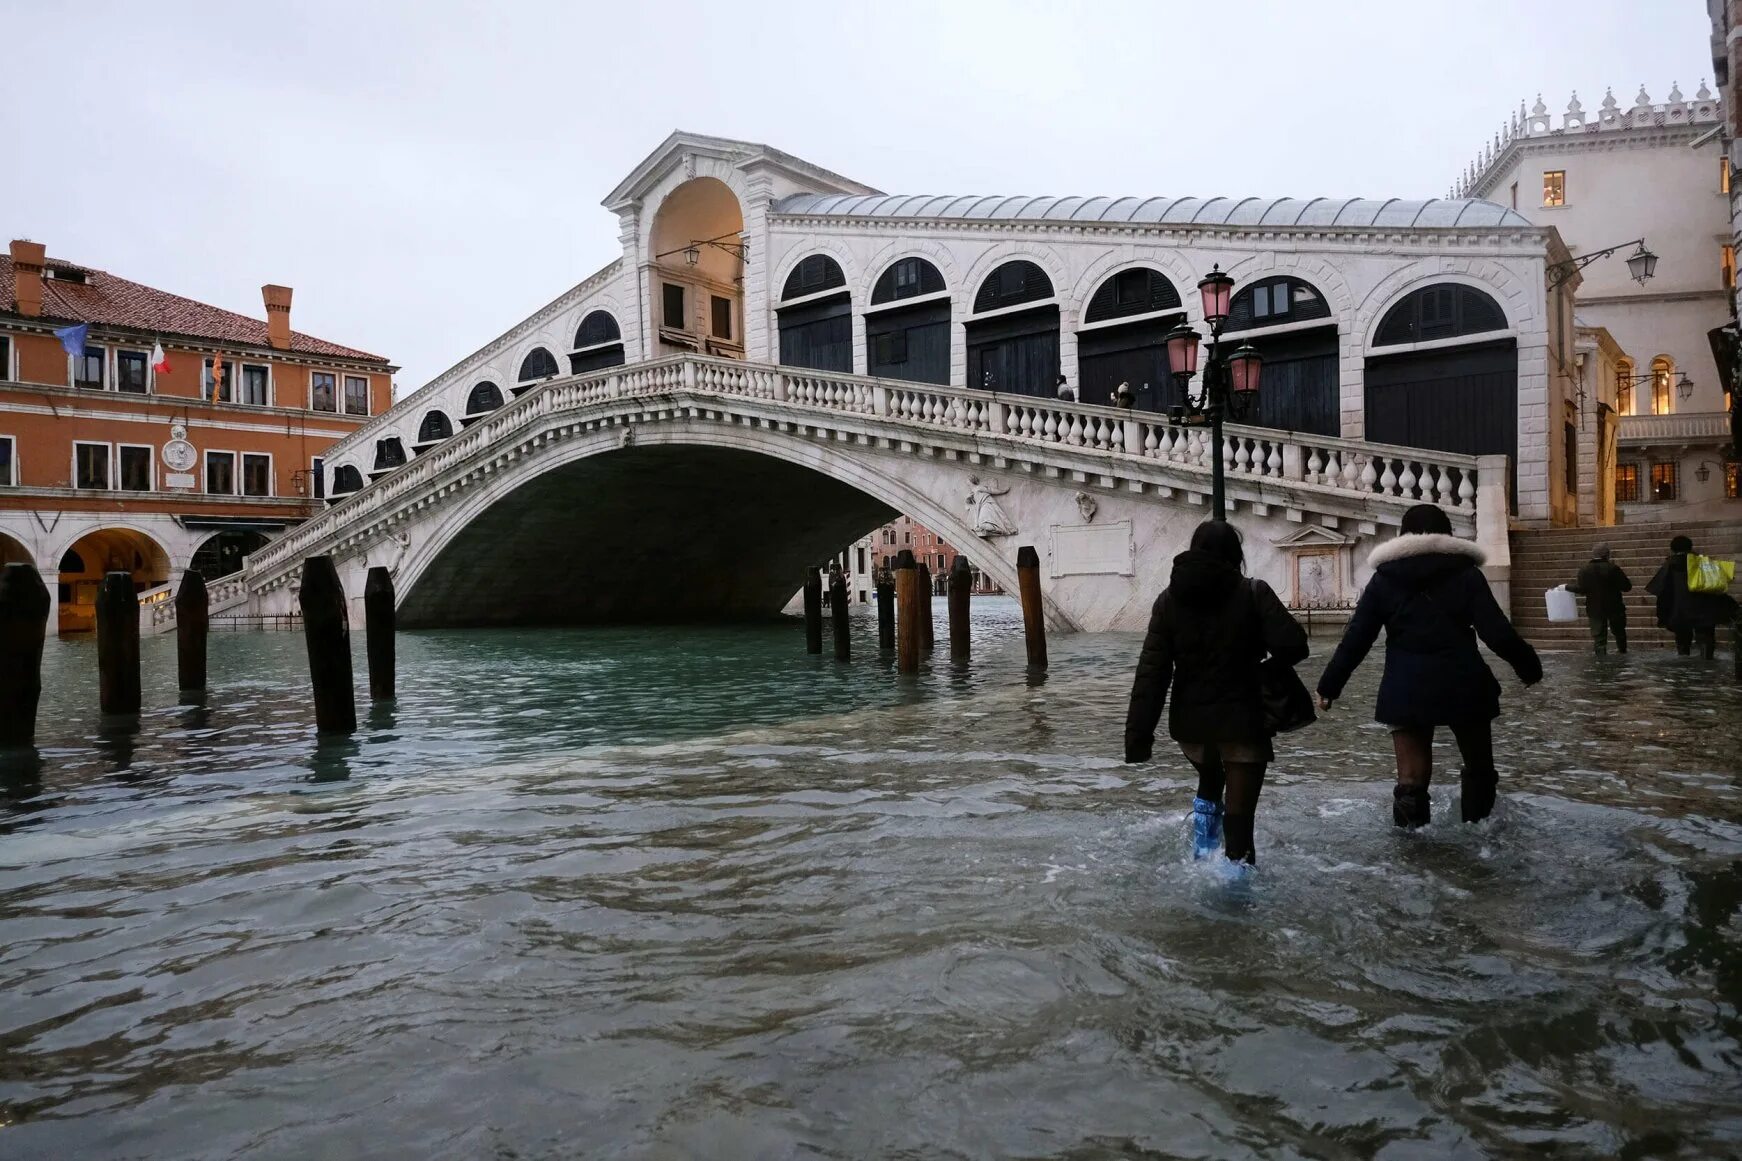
[
  {"x": 1656, "y": 413},
  {"x": 115, "y": 459}
]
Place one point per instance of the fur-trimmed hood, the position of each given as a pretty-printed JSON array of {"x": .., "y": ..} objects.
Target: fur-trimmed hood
[{"x": 1421, "y": 559}]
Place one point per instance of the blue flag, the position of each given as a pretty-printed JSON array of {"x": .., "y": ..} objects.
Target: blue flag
[{"x": 73, "y": 338}]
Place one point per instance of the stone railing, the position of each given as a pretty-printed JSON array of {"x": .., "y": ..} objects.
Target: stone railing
[
  {"x": 1691, "y": 426},
  {"x": 159, "y": 615},
  {"x": 1354, "y": 472}
]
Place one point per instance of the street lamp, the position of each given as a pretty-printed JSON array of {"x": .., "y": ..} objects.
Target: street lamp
[
  {"x": 1641, "y": 264},
  {"x": 1229, "y": 384}
]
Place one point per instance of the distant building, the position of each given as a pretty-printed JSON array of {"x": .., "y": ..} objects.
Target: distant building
[
  {"x": 1658, "y": 171},
  {"x": 109, "y": 463}
]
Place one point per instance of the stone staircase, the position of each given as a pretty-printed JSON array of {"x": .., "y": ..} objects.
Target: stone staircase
[{"x": 1544, "y": 558}]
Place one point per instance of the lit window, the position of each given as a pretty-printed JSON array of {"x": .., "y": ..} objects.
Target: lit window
[
  {"x": 221, "y": 473},
  {"x": 1732, "y": 479},
  {"x": 135, "y": 468},
  {"x": 256, "y": 474},
  {"x": 1723, "y": 175},
  {"x": 1554, "y": 187},
  {"x": 1728, "y": 265},
  {"x": 323, "y": 391},
  {"x": 357, "y": 392},
  {"x": 254, "y": 384},
  {"x": 1626, "y": 483},
  {"x": 1663, "y": 481},
  {"x": 1662, "y": 377},
  {"x": 90, "y": 465}
]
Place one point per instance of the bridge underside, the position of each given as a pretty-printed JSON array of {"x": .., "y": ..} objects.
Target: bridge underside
[{"x": 645, "y": 534}]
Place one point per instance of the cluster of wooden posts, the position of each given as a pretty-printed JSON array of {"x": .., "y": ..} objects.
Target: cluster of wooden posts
[
  {"x": 24, "y": 607},
  {"x": 904, "y": 616}
]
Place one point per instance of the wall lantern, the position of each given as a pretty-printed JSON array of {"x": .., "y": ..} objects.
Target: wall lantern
[{"x": 1642, "y": 264}]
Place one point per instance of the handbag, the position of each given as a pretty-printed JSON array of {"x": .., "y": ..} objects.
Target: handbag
[
  {"x": 1282, "y": 695},
  {"x": 1706, "y": 575}
]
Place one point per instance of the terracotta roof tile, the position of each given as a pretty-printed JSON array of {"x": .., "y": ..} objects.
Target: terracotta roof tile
[{"x": 105, "y": 300}]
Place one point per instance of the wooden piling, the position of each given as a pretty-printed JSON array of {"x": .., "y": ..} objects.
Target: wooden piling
[
  {"x": 927, "y": 638},
  {"x": 813, "y": 611},
  {"x": 961, "y": 587},
  {"x": 379, "y": 622},
  {"x": 838, "y": 614},
  {"x": 118, "y": 644},
  {"x": 885, "y": 611},
  {"x": 907, "y": 617},
  {"x": 327, "y": 631},
  {"x": 1033, "y": 622},
  {"x": 24, "y": 606},
  {"x": 192, "y": 625}
]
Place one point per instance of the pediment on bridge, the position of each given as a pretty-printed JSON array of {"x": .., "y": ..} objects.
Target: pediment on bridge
[
  {"x": 1314, "y": 536},
  {"x": 682, "y": 147}
]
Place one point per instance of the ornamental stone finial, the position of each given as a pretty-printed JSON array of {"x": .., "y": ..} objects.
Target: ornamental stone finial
[
  {"x": 1609, "y": 100},
  {"x": 1675, "y": 92},
  {"x": 1642, "y": 101},
  {"x": 1704, "y": 93},
  {"x": 1575, "y": 115}
]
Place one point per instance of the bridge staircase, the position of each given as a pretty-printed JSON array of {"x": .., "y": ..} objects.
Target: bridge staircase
[{"x": 1544, "y": 558}]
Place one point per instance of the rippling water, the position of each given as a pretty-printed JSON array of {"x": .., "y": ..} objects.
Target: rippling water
[{"x": 673, "y": 893}]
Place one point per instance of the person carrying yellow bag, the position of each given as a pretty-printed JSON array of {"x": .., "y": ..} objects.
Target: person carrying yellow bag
[
  {"x": 1686, "y": 611},
  {"x": 1706, "y": 575}
]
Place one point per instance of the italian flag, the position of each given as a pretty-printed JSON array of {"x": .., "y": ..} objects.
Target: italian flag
[{"x": 159, "y": 360}]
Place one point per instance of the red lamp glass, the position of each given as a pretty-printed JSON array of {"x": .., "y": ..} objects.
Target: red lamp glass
[
  {"x": 1217, "y": 289},
  {"x": 1244, "y": 367},
  {"x": 1182, "y": 351}
]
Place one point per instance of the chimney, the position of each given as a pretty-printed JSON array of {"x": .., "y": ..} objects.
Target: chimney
[
  {"x": 27, "y": 260},
  {"x": 277, "y": 315}
]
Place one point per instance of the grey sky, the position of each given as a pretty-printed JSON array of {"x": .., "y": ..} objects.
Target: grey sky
[{"x": 427, "y": 174}]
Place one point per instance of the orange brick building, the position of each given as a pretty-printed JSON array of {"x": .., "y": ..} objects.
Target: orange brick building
[{"x": 107, "y": 463}]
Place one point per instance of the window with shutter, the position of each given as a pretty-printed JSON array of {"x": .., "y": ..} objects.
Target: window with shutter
[{"x": 906, "y": 278}]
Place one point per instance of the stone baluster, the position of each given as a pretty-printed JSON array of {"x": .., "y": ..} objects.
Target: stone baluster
[
  {"x": 1467, "y": 489},
  {"x": 1388, "y": 478},
  {"x": 1406, "y": 481},
  {"x": 1242, "y": 456}
]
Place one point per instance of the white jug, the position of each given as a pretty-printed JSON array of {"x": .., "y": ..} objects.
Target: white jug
[{"x": 1562, "y": 605}]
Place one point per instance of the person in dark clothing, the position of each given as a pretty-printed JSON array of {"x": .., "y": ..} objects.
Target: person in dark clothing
[
  {"x": 1430, "y": 597},
  {"x": 1688, "y": 615},
  {"x": 1601, "y": 581},
  {"x": 1208, "y": 632}
]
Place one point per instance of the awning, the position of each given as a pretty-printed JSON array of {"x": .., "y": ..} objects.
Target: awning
[{"x": 238, "y": 523}]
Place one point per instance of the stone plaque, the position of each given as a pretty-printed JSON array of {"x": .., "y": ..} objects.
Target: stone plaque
[
  {"x": 1093, "y": 550},
  {"x": 178, "y": 480}
]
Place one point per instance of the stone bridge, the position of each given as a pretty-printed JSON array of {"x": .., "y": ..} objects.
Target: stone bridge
[{"x": 700, "y": 487}]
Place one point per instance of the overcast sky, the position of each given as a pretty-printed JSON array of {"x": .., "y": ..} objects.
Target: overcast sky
[{"x": 427, "y": 174}]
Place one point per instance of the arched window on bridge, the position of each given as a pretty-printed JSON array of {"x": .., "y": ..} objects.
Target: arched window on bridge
[
  {"x": 538, "y": 364},
  {"x": 1015, "y": 350},
  {"x": 816, "y": 316},
  {"x": 346, "y": 479},
  {"x": 1123, "y": 339},
  {"x": 907, "y": 326},
  {"x": 389, "y": 454},
  {"x": 1457, "y": 396},
  {"x": 222, "y": 553},
  {"x": 598, "y": 344},
  {"x": 1300, "y": 381},
  {"x": 434, "y": 428},
  {"x": 485, "y": 398}
]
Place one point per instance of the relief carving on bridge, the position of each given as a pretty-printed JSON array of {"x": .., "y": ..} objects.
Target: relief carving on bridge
[{"x": 986, "y": 516}]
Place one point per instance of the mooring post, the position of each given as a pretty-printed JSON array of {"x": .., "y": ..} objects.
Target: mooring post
[
  {"x": 379, "y": 622},
  {"x": 118, "y": 644},
  {"x": 23, "y": 626},
  {"x": 838, "y": 614},
  {"x": 908, "y": 613},
  {"x": 1033, "y": 623},
  {"x": 961, "y": 587},
  {"x": 813, "y": 611},
  {"x": 192, "y": 624},
  {"x": 326, "y": 629},
  {"x": 885, "y": 610},
  {"x": 926, "y": 635}
]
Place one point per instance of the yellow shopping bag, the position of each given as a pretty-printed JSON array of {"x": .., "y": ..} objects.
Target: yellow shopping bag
[{"x": 1706, "y": 575}]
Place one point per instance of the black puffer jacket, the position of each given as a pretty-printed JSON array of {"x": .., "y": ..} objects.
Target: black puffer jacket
[
  {"x": 1677, "y": 608},
  {"x": 1430, "y": 597},
  {"x": 1208, "y": 632}
]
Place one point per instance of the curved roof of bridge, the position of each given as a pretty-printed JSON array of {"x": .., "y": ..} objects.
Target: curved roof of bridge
[{"x": 1286, "y": 212}]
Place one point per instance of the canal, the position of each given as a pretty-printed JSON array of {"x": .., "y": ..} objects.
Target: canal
[{"x": 691, "y": 893}]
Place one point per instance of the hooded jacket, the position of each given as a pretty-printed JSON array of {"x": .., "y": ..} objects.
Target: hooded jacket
[
  {"x": 1208, "y": 632},
  {"x": 1679, "y": 609},
  {"x": 1430, "y": 597}
]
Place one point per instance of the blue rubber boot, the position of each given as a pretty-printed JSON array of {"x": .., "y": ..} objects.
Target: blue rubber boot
[{"x": 1206, "y": 828}]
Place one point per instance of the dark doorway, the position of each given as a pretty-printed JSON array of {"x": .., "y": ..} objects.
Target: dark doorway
[
  {"x": 818, "y": 334},
  {"x": 912, "y": 343},
  {"x": 1017, "y": 353},
  {"x": 1133, "y": 353},
  {"x": 1298, "y": 389},
  {"x": 1461, "y": 399}
]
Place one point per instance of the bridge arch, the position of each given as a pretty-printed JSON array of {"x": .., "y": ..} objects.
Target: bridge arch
[
  {"x": 83, "y": 561},
  {"x": 610, "y": 499}
]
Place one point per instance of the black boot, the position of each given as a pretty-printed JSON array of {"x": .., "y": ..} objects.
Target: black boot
[
  {"x": 1409, "y": 806},
  {"x": 1479, "y": 787},
  {"x": 1237, "y": 839}
]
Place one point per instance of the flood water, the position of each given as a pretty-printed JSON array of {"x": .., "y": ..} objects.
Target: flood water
[{"x": 680, "y": 893}]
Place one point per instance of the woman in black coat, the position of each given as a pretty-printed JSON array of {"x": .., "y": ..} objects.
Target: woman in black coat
[
  {"x": 1430, "y": 597},
  {"x": 1208, "y": 632},
  {"x": 1688, "y": 614}
]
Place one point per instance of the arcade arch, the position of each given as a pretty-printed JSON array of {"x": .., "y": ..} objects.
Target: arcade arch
[
  {"x": 907, "y": 325},
  {"x": 696, "y": 272},
  {"x": 88, "y": 559}
]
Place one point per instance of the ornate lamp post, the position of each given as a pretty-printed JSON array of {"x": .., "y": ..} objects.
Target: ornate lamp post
[{"x": 1229, "y": 384}]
